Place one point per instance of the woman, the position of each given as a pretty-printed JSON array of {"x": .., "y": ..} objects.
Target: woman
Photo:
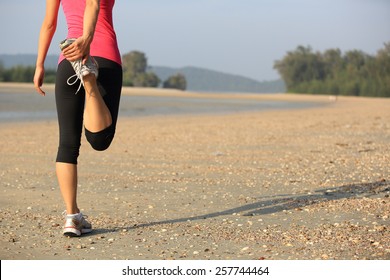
[{"x": 88, "y": 88}]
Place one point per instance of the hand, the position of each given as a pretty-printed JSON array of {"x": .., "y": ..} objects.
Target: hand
[
  {"x": 38, "y": 79},
  {"x": 77, "y": 50}
]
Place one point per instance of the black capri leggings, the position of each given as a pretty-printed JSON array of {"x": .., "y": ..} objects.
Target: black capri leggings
[{"x": 70, "y": 109}]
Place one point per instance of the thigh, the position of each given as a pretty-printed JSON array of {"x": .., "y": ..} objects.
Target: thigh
[
  {"x": 110, "y": 78},
  {"x": 70, "y": 106}
]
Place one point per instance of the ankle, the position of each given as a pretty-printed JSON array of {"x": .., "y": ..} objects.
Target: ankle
[{"x": 72, "y": 211}]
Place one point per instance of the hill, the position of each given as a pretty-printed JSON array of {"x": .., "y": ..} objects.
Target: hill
[
  {"x": 198, "y": 79},
  {"x": 11, "y": 60}
]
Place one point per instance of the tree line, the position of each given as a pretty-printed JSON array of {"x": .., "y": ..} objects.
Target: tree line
[
  {"x": 332, "y": 72},
  {"x": 23, "y": 74},
  {"x": 135, "y": 74}
]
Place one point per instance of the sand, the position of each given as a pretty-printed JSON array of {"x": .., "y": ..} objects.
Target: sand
[{"x": 290, "y": 184}]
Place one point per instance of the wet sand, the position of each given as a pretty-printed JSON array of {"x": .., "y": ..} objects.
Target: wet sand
[
  {"x": 141, "y": 102},
  {"x": 308, "y": 183}
]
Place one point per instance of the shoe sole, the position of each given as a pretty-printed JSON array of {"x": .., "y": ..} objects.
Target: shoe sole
[
  {"x": 75, "y": 233},
  {"x": 66, "y": 43},
  {"x": 72, "y": 232}
]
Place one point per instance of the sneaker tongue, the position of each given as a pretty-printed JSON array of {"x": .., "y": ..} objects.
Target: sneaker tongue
[{"x": 78, "y": 215}]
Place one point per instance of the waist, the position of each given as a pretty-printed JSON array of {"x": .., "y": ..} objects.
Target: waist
[{"x": 101, "y": 46}]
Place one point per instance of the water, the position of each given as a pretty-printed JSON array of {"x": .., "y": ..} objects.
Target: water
[{"x": 30, "y": 106}]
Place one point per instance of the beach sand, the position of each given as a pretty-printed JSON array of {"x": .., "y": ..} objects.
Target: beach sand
[{"x": 290, "y": 184}]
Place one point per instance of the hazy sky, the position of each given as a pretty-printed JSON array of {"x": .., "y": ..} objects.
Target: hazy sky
[{"x": 242, "y": 37}]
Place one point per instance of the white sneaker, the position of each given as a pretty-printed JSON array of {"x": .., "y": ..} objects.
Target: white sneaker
[
  {"x": 81, "y": 70},
  {"x": 76, "y": 224}
]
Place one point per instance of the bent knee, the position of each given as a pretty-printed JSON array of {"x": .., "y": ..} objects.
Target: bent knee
[{"x": 101, "y": 140}]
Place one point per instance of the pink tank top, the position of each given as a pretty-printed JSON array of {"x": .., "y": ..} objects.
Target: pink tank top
[{"x": 104, "y": 42}]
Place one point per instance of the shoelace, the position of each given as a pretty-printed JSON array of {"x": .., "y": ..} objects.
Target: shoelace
[
  {"x": 77, "y": 76},
  {"x": 82, "y": 215}
]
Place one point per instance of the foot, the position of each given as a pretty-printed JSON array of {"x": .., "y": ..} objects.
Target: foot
[
  {"x": 76, "y": 225},
  {"x": 89, "y": 67},
  {"x": 80, "y": 68}
]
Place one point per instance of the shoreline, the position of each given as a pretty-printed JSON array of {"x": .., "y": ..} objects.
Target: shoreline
[
  {"x": 28, "y": 88},
  {"x": 19, "y": 102},
  {"x": 161, "y": 92},
  {"x": 309, "y": 183}
]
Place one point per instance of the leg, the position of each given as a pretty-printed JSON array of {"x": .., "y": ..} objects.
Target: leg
[
  {"x": 101, "y": 116},
  {"x": 101, "y": 113},
  {"x": 97, "y": 117},
  {"x": 67, "y": 179},
  {"x": 70, "y": 119},
  {"x": 75, "y": 223}
]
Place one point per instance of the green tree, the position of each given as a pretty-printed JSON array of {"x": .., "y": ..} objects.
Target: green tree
[
  {"x": 177, "y": 81},
  {"x": 135, "y": 65},
  {"x": 50, "y": 76},
  {"x": 19, "y": 73},
  {"x": 354, "y": 73},
  {"x": 382, "y": 62},
  {"x": 300, "y": 66},
  {"x": 146, "y": 80},
  {"x": 1, "y": 71},
  {"x": 333, "y": 62}
]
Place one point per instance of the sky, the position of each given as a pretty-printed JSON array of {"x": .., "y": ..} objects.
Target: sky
[{"x": 242, "y": 37}]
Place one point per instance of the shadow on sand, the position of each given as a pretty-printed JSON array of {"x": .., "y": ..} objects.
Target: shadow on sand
[{"x": 279, "y": 203}]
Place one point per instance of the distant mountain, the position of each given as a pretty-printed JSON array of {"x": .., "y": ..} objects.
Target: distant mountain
[
  {"x": 11, "y": 60},
  {"x": 198, "y": 79}
]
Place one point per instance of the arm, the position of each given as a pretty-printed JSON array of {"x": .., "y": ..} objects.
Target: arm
[
  {"x": 48, "y": 29},
  {"x": 91, "y": 14},
  {"x": 80, "y": 48}
]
